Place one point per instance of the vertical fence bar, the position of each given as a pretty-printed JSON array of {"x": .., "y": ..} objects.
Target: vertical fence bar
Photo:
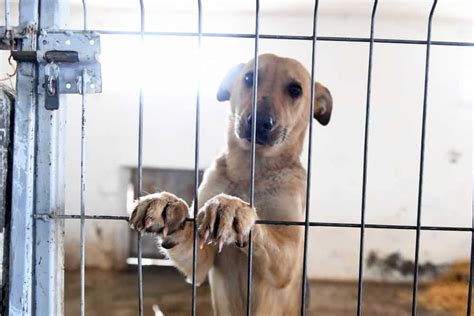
[
  {"x": 471, "y": 272},
  {"x": 140, "y": 165},
  {"x": 6, "y": 11},
  {"x": 84, "y": 14},
  {"x": 310, "y": 151},
  {"x": 471, "y": 263},
  {"x": 83, "y": 175},
  {"x": 82, "y": 194},
  {"x": 422, "y": 160},
  {"x": 364, "y": 171},
  {"x": 22, "y": 205},
  {"x": 48, "y": 296},
  {"x": 7, "y": 101},
  {"x": 252, "y": 152},
  {"x": 196, "y": 159}
]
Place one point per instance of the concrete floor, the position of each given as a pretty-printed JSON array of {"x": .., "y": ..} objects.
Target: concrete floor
[{"x": 109, "y": 293}]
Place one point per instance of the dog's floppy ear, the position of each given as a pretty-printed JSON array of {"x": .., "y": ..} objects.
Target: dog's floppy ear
[
  {"x": 322, "y": 104},
  {"x": 223, "y": 94}
]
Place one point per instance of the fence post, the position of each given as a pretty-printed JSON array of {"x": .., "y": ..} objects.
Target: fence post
[
  {"x": 49, "y": 184},
  {"x": 36, "y": 247},
  {"x": 22, "y": 204},
  {"x": 6, "y": 108}
]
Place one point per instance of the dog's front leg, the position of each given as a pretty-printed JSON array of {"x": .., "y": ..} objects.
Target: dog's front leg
[
  {"x": 165, "y": 215},
  {"x": 279, "y": 251},
  {"x": 225, "y": 220}
]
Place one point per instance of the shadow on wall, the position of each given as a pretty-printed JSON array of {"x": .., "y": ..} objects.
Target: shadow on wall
[{"x": 394, "y": 266}]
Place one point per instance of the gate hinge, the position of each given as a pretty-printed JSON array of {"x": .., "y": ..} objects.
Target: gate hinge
[{"x": 63, "y": 58}]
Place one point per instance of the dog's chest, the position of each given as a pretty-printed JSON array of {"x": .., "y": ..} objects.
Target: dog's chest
[{"x": 272, "y": 197}]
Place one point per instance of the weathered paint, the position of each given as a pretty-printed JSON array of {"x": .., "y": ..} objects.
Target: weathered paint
[
  {"x": 49, "y": 186},
  {"x": 21, "y": 245},
  {"x": 22, "y": 205}
]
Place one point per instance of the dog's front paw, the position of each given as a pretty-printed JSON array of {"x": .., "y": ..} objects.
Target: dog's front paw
[
  {"x": 224, "y": 220},
  {"x": 162, "y": 213}
]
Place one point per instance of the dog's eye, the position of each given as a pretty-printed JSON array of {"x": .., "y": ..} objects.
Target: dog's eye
[
  {"x": 294, "y": 90},
  {"x": 249, "y": 79}
]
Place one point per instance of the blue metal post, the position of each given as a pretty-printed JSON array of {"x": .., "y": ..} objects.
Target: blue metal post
[
  {"x": 21, "y": 245},
  {"x": 49, "y": 185}
]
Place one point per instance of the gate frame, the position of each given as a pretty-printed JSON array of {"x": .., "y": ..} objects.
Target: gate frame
[{"x": 36, "y": 248}]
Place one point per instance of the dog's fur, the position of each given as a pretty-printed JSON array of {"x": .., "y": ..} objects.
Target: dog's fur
[{"x": 225, "y": 219}]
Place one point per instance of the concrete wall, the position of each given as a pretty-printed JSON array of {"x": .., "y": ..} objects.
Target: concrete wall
[{"x": 167, "y": 71}]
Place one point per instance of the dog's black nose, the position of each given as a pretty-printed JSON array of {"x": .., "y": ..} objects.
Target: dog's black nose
[{"x": 264, "y": 125}]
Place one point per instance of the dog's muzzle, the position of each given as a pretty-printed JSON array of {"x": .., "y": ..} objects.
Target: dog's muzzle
[{"x": 264, "y": 129}]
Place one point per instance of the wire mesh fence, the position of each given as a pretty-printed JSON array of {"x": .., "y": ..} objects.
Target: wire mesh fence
[{"x": 362, "y": 226}]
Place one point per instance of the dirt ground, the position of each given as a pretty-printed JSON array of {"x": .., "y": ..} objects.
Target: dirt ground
[
  {"x": 109, "y": 293},
  {"x": 449, "y": 291}
]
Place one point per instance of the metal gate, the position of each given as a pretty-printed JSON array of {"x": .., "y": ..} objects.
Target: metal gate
[{"x": 52, "y": 62}]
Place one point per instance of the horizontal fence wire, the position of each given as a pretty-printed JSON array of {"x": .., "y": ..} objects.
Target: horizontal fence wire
[
  {"x": 364, "y": 167},
  {"x": 422, "y": 161},
  {"x": 283, "y": 37},
  {"x": 271, "y": 222}
]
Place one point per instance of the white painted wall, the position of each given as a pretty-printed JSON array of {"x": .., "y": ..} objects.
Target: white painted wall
[{"x": 397, "y": 94}]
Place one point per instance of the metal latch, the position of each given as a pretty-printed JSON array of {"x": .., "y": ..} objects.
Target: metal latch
[
  {"x": 51, "y": 86},
  {"x": 63, "y": 59}
]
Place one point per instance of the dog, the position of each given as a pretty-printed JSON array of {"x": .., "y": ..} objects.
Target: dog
[{"x": 225, "y": 218}]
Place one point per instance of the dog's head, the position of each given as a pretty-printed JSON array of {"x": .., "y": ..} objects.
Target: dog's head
[{"x": 283, "y": 102}]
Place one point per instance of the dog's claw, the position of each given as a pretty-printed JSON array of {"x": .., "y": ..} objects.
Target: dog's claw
[
  {"x": 221, "y": 244},
  {"x": 165, "y": 231},
  {"x": 148, "y": 223},
  {"x": 240, "y": 241}
]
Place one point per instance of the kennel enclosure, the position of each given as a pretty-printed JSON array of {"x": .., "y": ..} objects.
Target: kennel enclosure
[{"x": 53, "y": 61}]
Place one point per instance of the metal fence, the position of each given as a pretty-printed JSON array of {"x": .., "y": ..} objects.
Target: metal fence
[{"x": 37, "y": 197}]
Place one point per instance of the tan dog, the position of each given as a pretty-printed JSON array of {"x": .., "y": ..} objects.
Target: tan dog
[{"x": 225, "y": 219}]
